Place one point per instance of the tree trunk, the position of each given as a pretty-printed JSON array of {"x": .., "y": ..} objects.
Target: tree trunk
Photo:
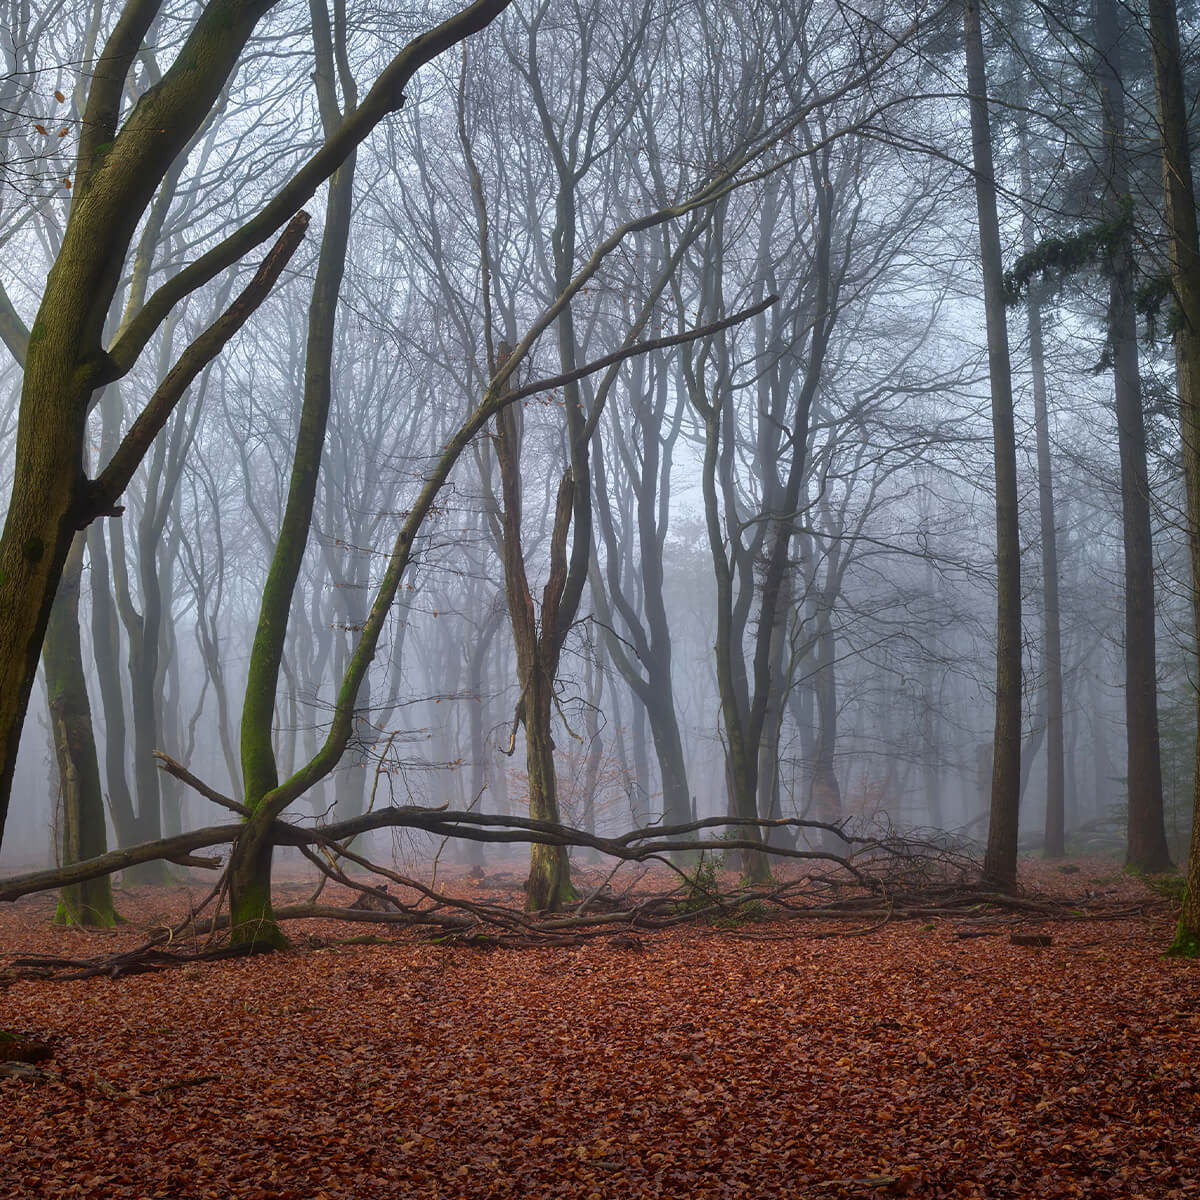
[
  {"x": 1000, "y": 858},
  {"x": 549, "y": 884},
  {"x": 1054, "y": 843},
  {"x": 826, "y": 794},
  {"x": 1184, "y": 253},
  {"x": 251, "y": 916},
  {"x": 1055, "y": 831},
  {"x": 1147, "y": 840},
  {"x": 106, "y": 645},
  {"x": 83, "y": 832},
  {"x": 117, "y": 173},
  {"x": 143, "y": 692}
]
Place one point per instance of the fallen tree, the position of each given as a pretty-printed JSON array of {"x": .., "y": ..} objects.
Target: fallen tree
[
  {"x": 882, "y": 876},
  {"x": 638, "y": 845}
]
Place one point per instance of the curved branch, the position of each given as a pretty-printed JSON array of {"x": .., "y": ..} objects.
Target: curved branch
[{"x": 387, "y": 96}]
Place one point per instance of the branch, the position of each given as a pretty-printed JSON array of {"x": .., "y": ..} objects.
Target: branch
[
  {"x": 387, "y": 96},
  {"x": 112, "y": 481},
  {"x": 494, "y": 401},
  {"x": 179, "y": 771},
  {"x": 550, "y": 382},
  {"x": 635, "y": 846},
  {"x": 116, "y": 860},
  {"x": 13, "y": 331}
]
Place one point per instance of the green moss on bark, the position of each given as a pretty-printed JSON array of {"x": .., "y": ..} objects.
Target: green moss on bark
[
  {"x": 71, "y": 912},
  {"x": 252, "y": 919},
  {"x": 1186, "y": 943}
]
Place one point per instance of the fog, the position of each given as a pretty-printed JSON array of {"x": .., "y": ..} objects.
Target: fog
[{"x": 719, "y": 556}]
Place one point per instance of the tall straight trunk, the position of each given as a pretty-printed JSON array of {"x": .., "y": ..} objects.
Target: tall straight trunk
[
  {"x": 1000, "y": 858},
  {"x": 1055, "y": 831},
  {"x": 648, "y": 670},
  {"x": 931, "y": 761},
  {"x": 1146, "y": 847},
  {"x": 83, "y": 832},
  {"x": 741, "y": 758},
  {"x": 594, "y": 745},
  {"x": 477, "y": 686},
  {"x": 1184, "y": 254},
  {"x": 769, "y": 799},
  {"x": 826, "y": 793},
  {"x": 106, "y": 645},
  {"x": 143, "y": 672},
  {"x": 1054, "y": 843}
]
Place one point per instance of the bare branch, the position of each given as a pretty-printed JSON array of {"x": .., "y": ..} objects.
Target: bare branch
[{"x": 108, "y": 486}]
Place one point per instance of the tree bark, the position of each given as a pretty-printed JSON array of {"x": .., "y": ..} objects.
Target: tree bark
[
  {"x": 83, "y": 832},
  {"x": 1000, "y": 858},
  {"x": 549, "y": 883},
  {"x": 1146, "y": 847},
  {"x": 1054, "y": 842},
  {"x": 1184, "y": 257},
  {"x": 251, "y": 915},
  {"x": 116, "y": 175}
]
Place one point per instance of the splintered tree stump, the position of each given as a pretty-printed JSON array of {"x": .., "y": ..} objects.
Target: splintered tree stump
[
  {"x": 20, "y": 1047},
  {"x": 1030, "y": 939}
]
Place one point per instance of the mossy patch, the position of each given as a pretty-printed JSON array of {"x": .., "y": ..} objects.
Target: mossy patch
[{"x": 1185, "y": 945}]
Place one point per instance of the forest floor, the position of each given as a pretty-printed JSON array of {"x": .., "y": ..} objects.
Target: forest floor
[{"x": 770, "y": 1060}]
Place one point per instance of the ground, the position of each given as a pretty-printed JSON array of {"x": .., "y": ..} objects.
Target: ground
[{"x": 769, "y": 1060}]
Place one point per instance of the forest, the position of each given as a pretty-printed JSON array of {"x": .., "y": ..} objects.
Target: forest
[{"x": 599, "y": 598}]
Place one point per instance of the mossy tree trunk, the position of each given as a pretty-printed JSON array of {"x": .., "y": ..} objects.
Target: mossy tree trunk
[
  {"x": 538, "y": 648},
  {"x": 252, "y": 918},
  {"x": 106, "y": 645},
  {"x": 251, "y": 913},
  {"x": 116, "y": 175},
  {"x": 826, "y": 791}
]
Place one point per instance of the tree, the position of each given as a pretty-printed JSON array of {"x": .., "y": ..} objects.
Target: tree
[
  {"x": 1052, "y": 687},
  {"x": 1184, "y": 269},
  {"x": 83, "y": 835},
  {"x": 250, "y": 868},
  {"x": 1147, "y": 840},
  {"x": 1000, "y": 861}
]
